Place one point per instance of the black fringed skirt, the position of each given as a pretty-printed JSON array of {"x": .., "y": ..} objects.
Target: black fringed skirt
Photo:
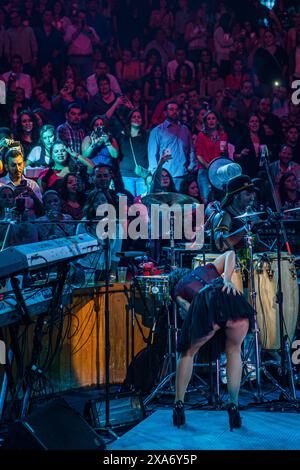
[{"x": 212, "y": 306}]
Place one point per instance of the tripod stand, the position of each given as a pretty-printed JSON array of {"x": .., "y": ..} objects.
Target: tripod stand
[
  {"x": 285, "y": 359},
  {"x": 284, "y": 349}
]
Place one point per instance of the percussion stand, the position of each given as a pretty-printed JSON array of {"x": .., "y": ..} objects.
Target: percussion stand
[
  {"x": 249, "y": 242},
  {"x": 285, "y": 359},
  {"x": 284, "y": 347},
  {"x": 260, "y": 397}
]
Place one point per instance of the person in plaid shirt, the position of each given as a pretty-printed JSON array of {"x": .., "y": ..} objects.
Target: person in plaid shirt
[{"x": 70, "y": 132}]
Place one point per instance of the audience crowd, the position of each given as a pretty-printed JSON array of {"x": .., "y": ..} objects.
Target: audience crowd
[{"x": 143, "y": 95}]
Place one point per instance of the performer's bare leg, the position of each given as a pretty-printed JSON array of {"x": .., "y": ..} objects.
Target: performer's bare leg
[
  {"x": 236, "y": 331},
  {"x": 185, "y": 365}
]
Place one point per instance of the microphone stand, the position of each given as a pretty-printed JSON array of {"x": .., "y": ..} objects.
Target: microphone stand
[
  {"x": 265, "y": 163},
  {"x": 284, "y": 350}
]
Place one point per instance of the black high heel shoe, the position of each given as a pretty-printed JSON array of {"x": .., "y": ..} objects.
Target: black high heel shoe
[
  {"x": 178, "y": 414},
  {"x": 235, "y": 420}
]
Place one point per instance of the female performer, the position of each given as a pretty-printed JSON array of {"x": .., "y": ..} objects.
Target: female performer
[{"x": 214, "y": 309}]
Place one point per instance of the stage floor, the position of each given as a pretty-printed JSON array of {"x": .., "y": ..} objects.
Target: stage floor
[{"x": 209, "y": 430}]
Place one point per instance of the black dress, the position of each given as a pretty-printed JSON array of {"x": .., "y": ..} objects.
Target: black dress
[{"x": 209, "y": 305}]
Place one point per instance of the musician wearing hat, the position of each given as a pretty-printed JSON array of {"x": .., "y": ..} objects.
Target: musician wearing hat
[{"x": 240, "y": 196}]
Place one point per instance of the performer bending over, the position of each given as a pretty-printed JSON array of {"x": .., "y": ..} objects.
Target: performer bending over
[{"x": 215, "y": 310}]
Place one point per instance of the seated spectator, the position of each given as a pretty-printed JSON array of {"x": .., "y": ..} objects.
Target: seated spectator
[
  {"x": 60, "y": 165},
  {"x": 210, "y": 144},
  {"x": 234, "y": 80},
  {"x": 80, "y": 39},
  {"x": 289, "y": 193},
  {"x": 205, "y": 63},
  {"x": 195, "y": 35},
  {"x": 180, "y": 58},
  {"x": 292, "y": 139},
  {"x": 21, "y": 41},
  {"x": 40, "y": 155},
  {"x": 71, "y": 132},
  {"x": 161, "y": 16},
  {"x": 271, "y": 125},
  {"x": 134, "y": 157},
  {"x": 5, "y": 142},
  {"x": 7, "y": 201},
  {"x": 27, "y": 131},
  {"x": 183, "y": 78},
  {"x": 162, "y": 180},
  {"x": 199, "y": 122},
  {"x": 128, "y": 70},
  {"x": 152, "y": 58},
  {"x": 17, "y": 78},
  {"x": 295, "y": 58},
  {"x": 223, "y": 42},
  {"x": 189, "y": 186},
  {"x": 163, "y": 46},
  {"x": 233, "y": 128},
  {"x": 60, "y": 20},
  {"x": 65, "y": 97},
  {"x": 293, "y": 117},
  {"x": 50, "y": 40},
  {"x": 73, "y": 198},
  {"x": 246, "y": 102},
  {"x": 159, "y": 114},
  {"x": 42, "y": 102},
  {"x": 17, "y": 104},
  {"x": 102, "y": 69},
  {"x": 106, "y": 102},
  {"x": 210, "y": 85},
  {"x": 249, "y": 147},
  {"x": 270, "y": 62},
  {"x": 138, "y": 102},
  {"x": 100, "y": 146},
  {"x": 45, "y": 79},
  {"x": 284, "y": 165},
  {"x": 25, "y": 188},
  {"x": 280, "y": 103},
  {"x": 155, "y": 88},
  {"x": 53, "y": 211}
]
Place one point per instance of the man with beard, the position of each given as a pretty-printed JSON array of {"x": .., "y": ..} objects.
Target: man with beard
[
  {"x": 177, "y": 138},
  {"x": 247, "y": 102},
  {"x": 228, "y": 231},
  {"x": 70, "y": 132}
]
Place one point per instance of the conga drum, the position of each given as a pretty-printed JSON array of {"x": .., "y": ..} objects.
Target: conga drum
[
  {"x": 266, "y": 281},
  {"x": 236, "y": 278}
]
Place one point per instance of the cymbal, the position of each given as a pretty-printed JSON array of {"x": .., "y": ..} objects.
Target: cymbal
[
  {"x": 169, "y": 199},
  {"x": 295, "y": 209},
  {"x": 248, "y": 215}
]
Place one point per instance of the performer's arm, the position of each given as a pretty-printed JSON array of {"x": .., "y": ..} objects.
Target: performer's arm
[
  {"x": 223, "y": 238},
  {"x": 225, "y": 264}
]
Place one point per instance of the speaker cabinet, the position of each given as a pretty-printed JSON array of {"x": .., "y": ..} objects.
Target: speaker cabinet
[{"x": 55, "y": 426}]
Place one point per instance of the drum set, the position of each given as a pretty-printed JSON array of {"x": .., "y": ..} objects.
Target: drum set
[{"x": 270, "y": 284}]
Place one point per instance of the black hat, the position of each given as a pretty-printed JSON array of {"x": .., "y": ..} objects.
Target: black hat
[{"x": 236, "y": 185}]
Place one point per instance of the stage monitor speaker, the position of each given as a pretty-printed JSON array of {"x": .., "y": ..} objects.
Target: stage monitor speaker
[
  {"x": 126, "y": 409},
  {"x": 55, "y": 426}
]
